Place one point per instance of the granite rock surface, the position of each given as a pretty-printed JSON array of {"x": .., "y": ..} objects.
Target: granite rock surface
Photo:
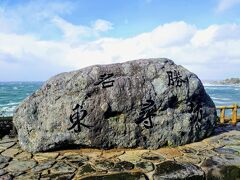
[{"x": 145, "y": 103}]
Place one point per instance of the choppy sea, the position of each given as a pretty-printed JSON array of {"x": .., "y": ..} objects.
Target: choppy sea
[{"x": 12, "y": 93}]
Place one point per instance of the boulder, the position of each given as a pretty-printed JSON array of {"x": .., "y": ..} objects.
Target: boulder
[{"x": 145, "y": 103}]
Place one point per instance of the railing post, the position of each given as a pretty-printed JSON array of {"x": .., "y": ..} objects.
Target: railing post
[
  {"x": 222, "y": 115},
  {"x": 234, "y": 114}
]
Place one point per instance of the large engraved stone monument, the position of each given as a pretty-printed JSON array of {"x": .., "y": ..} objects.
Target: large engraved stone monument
[{"x": 145, "y": 103}]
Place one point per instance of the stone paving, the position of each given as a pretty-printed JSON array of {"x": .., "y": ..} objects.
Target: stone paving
[{"x": 217, "y": 156}]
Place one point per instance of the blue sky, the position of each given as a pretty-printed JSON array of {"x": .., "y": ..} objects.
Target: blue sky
[{"x": 40, "y": 38}]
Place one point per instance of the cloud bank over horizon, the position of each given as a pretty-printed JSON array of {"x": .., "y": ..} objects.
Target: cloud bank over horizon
[{"x": 212, "y": 52}]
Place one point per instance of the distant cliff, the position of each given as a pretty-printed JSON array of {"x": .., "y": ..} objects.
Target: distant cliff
[{"x": 231, "y": 81}]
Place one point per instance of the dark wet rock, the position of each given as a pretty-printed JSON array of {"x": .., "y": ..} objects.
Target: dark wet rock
[
  {"x": 20, "y": 166},
  {"x": 210, "y": 162},
  {"x": 104, "y": 164},
  {"x": 119, "y": 176},
  {"x": 115, "y": 103},
  {"x": 176, "y": 170},
  {"x": 225, "y": 160},
  {"x": 123, "y": 165},
  {"x": 4, "y": 159},
  {"x": 152, "y": 156},
  {"x": 43, "y": 166},
  {"x": 86, "y": 169},
  {"x": 223, "y": 172},
  {"x": 223, "y": 167},
  {"x": 145, "y": 166}
]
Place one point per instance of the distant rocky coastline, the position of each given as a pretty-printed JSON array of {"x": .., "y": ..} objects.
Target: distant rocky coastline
[{"x": 230, "y": 81}]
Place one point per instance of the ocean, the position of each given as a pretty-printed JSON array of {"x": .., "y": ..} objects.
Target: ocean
[{"x": 12, "y": 93}]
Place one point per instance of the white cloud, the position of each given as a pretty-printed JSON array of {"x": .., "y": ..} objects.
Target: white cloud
[
  {"x": 224, "y": 5},
  {"x": 69, "y": 30},
  {"x": 102, "y": 25},
  {"x": 75, "y": 33},
  {"x": 204, "y": 51}
]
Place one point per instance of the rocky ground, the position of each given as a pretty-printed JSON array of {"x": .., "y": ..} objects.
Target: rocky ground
[{"x": 217, "y": 156}]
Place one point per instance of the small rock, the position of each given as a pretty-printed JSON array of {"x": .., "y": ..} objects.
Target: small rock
[
  {"x": 61, "y": 168},
  {"x": 11, "y": 152},
  {"x": 24, "y": 156},
  {"x": 124, "y": 165},
  {"x": 2, "y": 172},
  {"x": 104, "y": 164},
  {"x": 43, "y": 166},
  {"x": 120, "y": 176},
  {"x": 176, "y": 170},
  {"x": 45, "y": 156},
  {"x": 145, "y": 166},
  {"x": 152, "y": 156},
  {"x": 194, "y": 159},
  {"x": 225, "y": 150},
  {"x": 4, "y": 159},
  {"x": 27, "y": 176},
  {"x": 3, "y": 165},
  {"x": 86, "y": 169},
  {"x": 20, "y": 166},
  {"x": 7, "y": 145},
  {"x": 16, "y": 173}
]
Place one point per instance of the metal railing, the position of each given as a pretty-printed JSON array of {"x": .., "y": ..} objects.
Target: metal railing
[{"x": 233, "y": 119}]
